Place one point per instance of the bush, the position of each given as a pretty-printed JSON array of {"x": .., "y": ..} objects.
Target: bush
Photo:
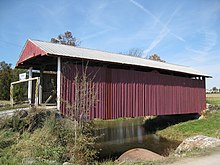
[{"x": 42, "y": 136}]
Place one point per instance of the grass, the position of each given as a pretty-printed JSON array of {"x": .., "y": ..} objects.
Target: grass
[
  {"x": 8, "y": 107},
  {"x": 113, "y": 122},
  {"x": 4, "y": 102},
  {"x": 42, "y": 137},
  {"x": 213, "y": 100},
  {"x": 208, "y": 126},
  {"x": 5, "y": 105}
]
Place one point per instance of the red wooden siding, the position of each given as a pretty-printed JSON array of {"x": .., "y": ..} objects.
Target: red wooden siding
[
  {"x": 30, "y": 50},
  {"x": 129, "y": 93}
]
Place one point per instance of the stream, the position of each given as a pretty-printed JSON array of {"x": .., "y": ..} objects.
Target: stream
[{"x": 120, "y": 136}]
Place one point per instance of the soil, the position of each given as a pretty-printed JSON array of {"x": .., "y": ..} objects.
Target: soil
[{"x": 212, "y": 159}]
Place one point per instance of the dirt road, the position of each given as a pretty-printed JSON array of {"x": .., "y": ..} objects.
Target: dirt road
[{"x": 212, "y": 159}]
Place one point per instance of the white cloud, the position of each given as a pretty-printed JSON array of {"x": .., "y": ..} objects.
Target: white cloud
[
  {"x": 94, "y": 17},
  {"x": 204, "y": 49}
]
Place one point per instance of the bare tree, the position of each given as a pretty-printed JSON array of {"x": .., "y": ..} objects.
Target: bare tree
[
  {"x": 135, "y": 52},
  {"x": 66, "y": 39},
  {"x": 84, "y": 95},
  {"x": 78, "y": 110}
]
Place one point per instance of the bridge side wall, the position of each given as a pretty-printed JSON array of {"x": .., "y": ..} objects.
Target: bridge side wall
[{"x": 130, "y": 93}]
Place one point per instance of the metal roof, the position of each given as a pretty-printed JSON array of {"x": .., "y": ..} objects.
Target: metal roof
[{"x": 84, "y": 53}]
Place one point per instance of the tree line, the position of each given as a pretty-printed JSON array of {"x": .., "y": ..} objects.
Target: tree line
[{"x": 8, "y": 75}]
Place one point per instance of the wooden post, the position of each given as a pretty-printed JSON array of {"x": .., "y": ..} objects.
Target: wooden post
[
  {"x": 30, "y": 86},
  {"x": 58, "y": 81},
  {"x": 11, "y": 95},
  {"x": 41, "y": 86},
  {"x": 37, "y": 92}
]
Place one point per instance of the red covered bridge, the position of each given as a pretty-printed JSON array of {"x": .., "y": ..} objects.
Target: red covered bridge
[{"x": 126, "y": 86}]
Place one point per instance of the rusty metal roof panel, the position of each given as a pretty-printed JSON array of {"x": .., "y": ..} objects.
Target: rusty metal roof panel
[{"x": 84, "y": 53}]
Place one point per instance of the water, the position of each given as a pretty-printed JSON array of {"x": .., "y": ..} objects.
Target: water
[{"x": 120, "y": 136}]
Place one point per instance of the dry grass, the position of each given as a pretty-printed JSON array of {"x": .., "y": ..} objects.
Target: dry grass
[{"x": 213, "y": 95}]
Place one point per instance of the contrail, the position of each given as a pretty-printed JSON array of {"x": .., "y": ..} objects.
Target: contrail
[
  {"x": 146, "y": 11},
  {"x": 97, "y": 34},
  {"x": 155, "y": 18},
  {"x": 163, "y": 33}
]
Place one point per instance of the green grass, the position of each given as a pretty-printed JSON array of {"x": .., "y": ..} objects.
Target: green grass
[
  {"x": 5, "y": 105},
  {"x": 208, "y": 126},
  {"x": 213, "y": 100},
  {"x": 113, "y": 122}
]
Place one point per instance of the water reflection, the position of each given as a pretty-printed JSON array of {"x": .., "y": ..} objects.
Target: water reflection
[{"x": 121, "y": 136}]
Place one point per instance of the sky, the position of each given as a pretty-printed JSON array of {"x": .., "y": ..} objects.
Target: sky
[{"x": 182, "y": 32}]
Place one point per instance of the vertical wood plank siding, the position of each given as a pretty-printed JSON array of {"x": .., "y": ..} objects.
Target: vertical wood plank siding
[{"x": 129, "y": 93}]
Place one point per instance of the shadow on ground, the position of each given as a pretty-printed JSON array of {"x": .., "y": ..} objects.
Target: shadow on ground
[{"x": 162, "y": 122}]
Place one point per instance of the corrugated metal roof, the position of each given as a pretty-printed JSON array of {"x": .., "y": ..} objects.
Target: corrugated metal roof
[{"x": 84, "y": 53}]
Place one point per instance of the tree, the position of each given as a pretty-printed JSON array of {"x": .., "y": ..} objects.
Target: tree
[
  {"x": 5, "y": 80},
  {"x": 135, "y": 52},
  {"x": 156, "y": 58},
  {"x": 214, "y": 89},
  {"x": 8, "y": 75},
  {"x": 21, "y": 89},
  {"x": 78, "y": 111},
  {"x": 66, "y": 39},
  {"x": 139, "y": 53}
]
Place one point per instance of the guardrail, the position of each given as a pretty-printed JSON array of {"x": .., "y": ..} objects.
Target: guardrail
[{"x": 21, "y": 81}]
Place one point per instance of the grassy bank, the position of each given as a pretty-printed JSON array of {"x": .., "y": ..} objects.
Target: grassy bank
[
  {"x": 43, "y": 137},
  {"x": 208, "y": 126},
  {"x": 213, "y": 100},
  {"x": 113, "y": 122}
]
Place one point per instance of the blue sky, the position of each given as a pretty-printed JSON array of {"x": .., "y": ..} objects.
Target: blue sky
[{"x": 182, "y": 32}]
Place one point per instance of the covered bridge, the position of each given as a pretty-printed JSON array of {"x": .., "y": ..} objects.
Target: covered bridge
[{"x": 126, "y": 86}]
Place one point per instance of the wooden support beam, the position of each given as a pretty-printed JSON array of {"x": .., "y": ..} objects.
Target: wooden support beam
[
  {"x": 21, "y": 81},
  {"x": 11, "y": 95},
  {"x": 30, "y": 86},
  {"x": 58, "y": 81},
  {"x": 41, "y": 86},
  {"x": 30, "y": 79},
  {"x": 37, "y": 92}
]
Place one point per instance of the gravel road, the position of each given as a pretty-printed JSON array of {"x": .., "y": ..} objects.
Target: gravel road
[{"x": 212, "y": 159}]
